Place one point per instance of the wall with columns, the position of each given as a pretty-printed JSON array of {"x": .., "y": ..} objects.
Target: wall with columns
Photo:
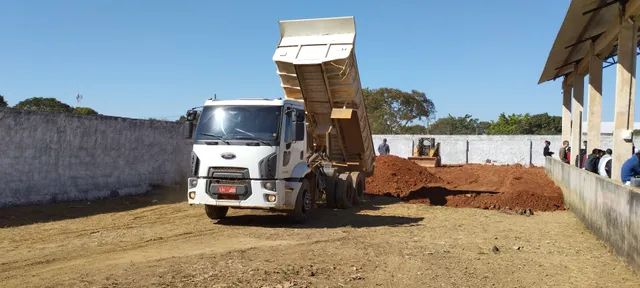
[
  {"x": 498, "y": 149},
  {"x": 573, "y": 86}
]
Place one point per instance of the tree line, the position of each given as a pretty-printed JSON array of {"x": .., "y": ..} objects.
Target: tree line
[
  {"x": 390, "y": 111},
  {"x": 48, "y": 105},
  {"x": 393, "y": 111}
]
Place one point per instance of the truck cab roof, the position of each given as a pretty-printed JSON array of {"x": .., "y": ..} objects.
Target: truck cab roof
[{"x": 255, "y": 102}]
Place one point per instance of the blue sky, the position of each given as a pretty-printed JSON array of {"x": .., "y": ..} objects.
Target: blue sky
[{"x": 156, "y": 59}]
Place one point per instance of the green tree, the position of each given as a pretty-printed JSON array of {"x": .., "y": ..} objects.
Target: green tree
[
  {"x": 508, "y": 124},
  {"x": 451, "y": 125},
  {"x": 84, "y": 111},
  {"x": 3, "y": 103},
  {"x": 43, "y": 104},
  {"x": 544, "y": 124},
  {"x": 525, "y": 124},
  {"x": 414, "y": 129},
  {"x": 393, "y": 111}
]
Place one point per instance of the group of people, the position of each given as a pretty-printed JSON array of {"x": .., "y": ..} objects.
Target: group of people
[{"x": 599, "y": 161}]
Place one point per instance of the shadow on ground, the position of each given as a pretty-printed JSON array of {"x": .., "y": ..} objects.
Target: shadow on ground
[
  {"x": 437, "y": 196},
  {"x": 328, "y": 218},
  {"x": 25, "y": 215}
]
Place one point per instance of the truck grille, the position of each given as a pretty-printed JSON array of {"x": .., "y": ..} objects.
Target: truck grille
[{"x": 228, "y": 172}]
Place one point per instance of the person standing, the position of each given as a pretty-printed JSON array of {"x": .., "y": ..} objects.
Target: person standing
[
  {"x": 591, "y": 164},
  {"x": 564, "y": 156},
  {"x": 630, "y": 169},
  {"x": 581, "y": 158},
  {"x": 547, "y": 150},
  {"x": 383, "y": 149},
  {"x": 604, "y": 167}
]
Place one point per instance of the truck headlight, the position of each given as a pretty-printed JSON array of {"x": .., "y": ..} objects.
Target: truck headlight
[
  {"x": 269, "y": 185},
  {"x": 193, "y": 182}
]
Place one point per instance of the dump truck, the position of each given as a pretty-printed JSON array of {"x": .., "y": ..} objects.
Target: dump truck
[{"x": 312, "y": 146}]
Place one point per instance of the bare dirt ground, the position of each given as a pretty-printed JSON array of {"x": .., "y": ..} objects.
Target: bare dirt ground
[{"x": 157, "y": 240}]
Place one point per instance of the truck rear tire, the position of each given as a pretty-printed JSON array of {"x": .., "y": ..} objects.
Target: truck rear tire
[
  {"x": 216, "y": 212},
  {"x": 330, "y": 192},
  {"x": 344, "y": 191},
  {"x": 358, "y": 182},
  {"x": 304, "y": 204}
]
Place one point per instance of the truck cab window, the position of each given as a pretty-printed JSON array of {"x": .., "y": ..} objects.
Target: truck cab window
[
  {"x": 259, "y": 123},
  {"x": 288, "y": 127}
]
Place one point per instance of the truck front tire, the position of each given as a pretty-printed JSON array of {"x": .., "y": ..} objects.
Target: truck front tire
[
  {"x": 304, "y": 204},
  {"x": 216, "y": 212}
]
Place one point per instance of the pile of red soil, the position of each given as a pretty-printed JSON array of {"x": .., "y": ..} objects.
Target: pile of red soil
[
  {"x": 397, "y": 177},
  {"x": 500, "y": 187}
]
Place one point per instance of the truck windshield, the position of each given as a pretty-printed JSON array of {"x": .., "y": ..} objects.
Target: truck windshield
[{"x": 227, "y": 123}]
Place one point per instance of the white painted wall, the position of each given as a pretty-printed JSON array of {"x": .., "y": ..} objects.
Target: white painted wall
[
  {"x": 49, "y": 157},
  {"x": 500, "y": 149}
]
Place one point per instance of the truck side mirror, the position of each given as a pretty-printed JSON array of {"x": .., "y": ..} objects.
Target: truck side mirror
[{"x": 191, "y": 117}]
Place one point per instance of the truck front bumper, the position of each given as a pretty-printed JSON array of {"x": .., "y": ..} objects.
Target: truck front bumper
[{"x": 285, "y": 194}]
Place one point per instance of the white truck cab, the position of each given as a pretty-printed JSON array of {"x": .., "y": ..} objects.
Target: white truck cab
[{"x": 249, "y": 153}]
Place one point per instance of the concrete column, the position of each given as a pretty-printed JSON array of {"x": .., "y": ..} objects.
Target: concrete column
[
  {"x": 566, "y": 110},
  {"x": 577, "y": 100},
  {"x": 625, "y": 95},
  {"x": 594, "y": 116}
]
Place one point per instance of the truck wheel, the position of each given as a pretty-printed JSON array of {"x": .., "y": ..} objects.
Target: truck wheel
[
  {"x": 330, "y": 192},
  {"x": 216, "y": 212},
  {"x": 344, "y": 191},
  {"x": 358, "y": 182},
  {"x": 304, "y": 204}
]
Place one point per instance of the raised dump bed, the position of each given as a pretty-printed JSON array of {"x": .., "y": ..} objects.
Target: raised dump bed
[{"x": 316, "y": 63}]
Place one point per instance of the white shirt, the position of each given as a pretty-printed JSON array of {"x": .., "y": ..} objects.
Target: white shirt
[{"x": 602, "y": 164}]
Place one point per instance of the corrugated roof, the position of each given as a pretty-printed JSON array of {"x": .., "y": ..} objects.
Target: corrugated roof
[{"x": 585, "y": 21}]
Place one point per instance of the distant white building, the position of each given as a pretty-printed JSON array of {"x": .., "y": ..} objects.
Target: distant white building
[{"x": 607, "y": 127}]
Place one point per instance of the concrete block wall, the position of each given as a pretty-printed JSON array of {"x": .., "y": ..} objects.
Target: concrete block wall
[
  {"x": 47, "y": 157},
  {"x": 499, "y": 149},
  {"x": 609, "y": 209}
]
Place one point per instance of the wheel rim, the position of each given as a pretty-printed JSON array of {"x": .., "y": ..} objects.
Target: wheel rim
[{"x": 306, "y": 204}]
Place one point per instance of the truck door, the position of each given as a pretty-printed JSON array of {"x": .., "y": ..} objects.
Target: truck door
[{"x": 292, "y": 143}]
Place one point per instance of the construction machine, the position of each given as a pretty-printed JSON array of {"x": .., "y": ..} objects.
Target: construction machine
[
  {"x": 426, "y": 153},
  {"x": 288, "y": 154}
]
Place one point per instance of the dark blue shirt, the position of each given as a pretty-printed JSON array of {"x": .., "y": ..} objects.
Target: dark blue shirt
[
  {"x": 630, "y": 168},
  {"x": 383, "y": 149}
]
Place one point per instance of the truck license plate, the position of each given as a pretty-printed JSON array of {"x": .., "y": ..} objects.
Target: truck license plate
[{"x": 227, "y": 189}]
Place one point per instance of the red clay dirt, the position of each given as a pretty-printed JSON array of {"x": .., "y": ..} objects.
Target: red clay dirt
[{"x": 500, "y": 187}]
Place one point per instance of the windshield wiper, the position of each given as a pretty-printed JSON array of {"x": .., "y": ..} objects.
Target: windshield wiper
[
  {"x": 251, "y": 137},
  {"x": 218, "y": 137}
]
